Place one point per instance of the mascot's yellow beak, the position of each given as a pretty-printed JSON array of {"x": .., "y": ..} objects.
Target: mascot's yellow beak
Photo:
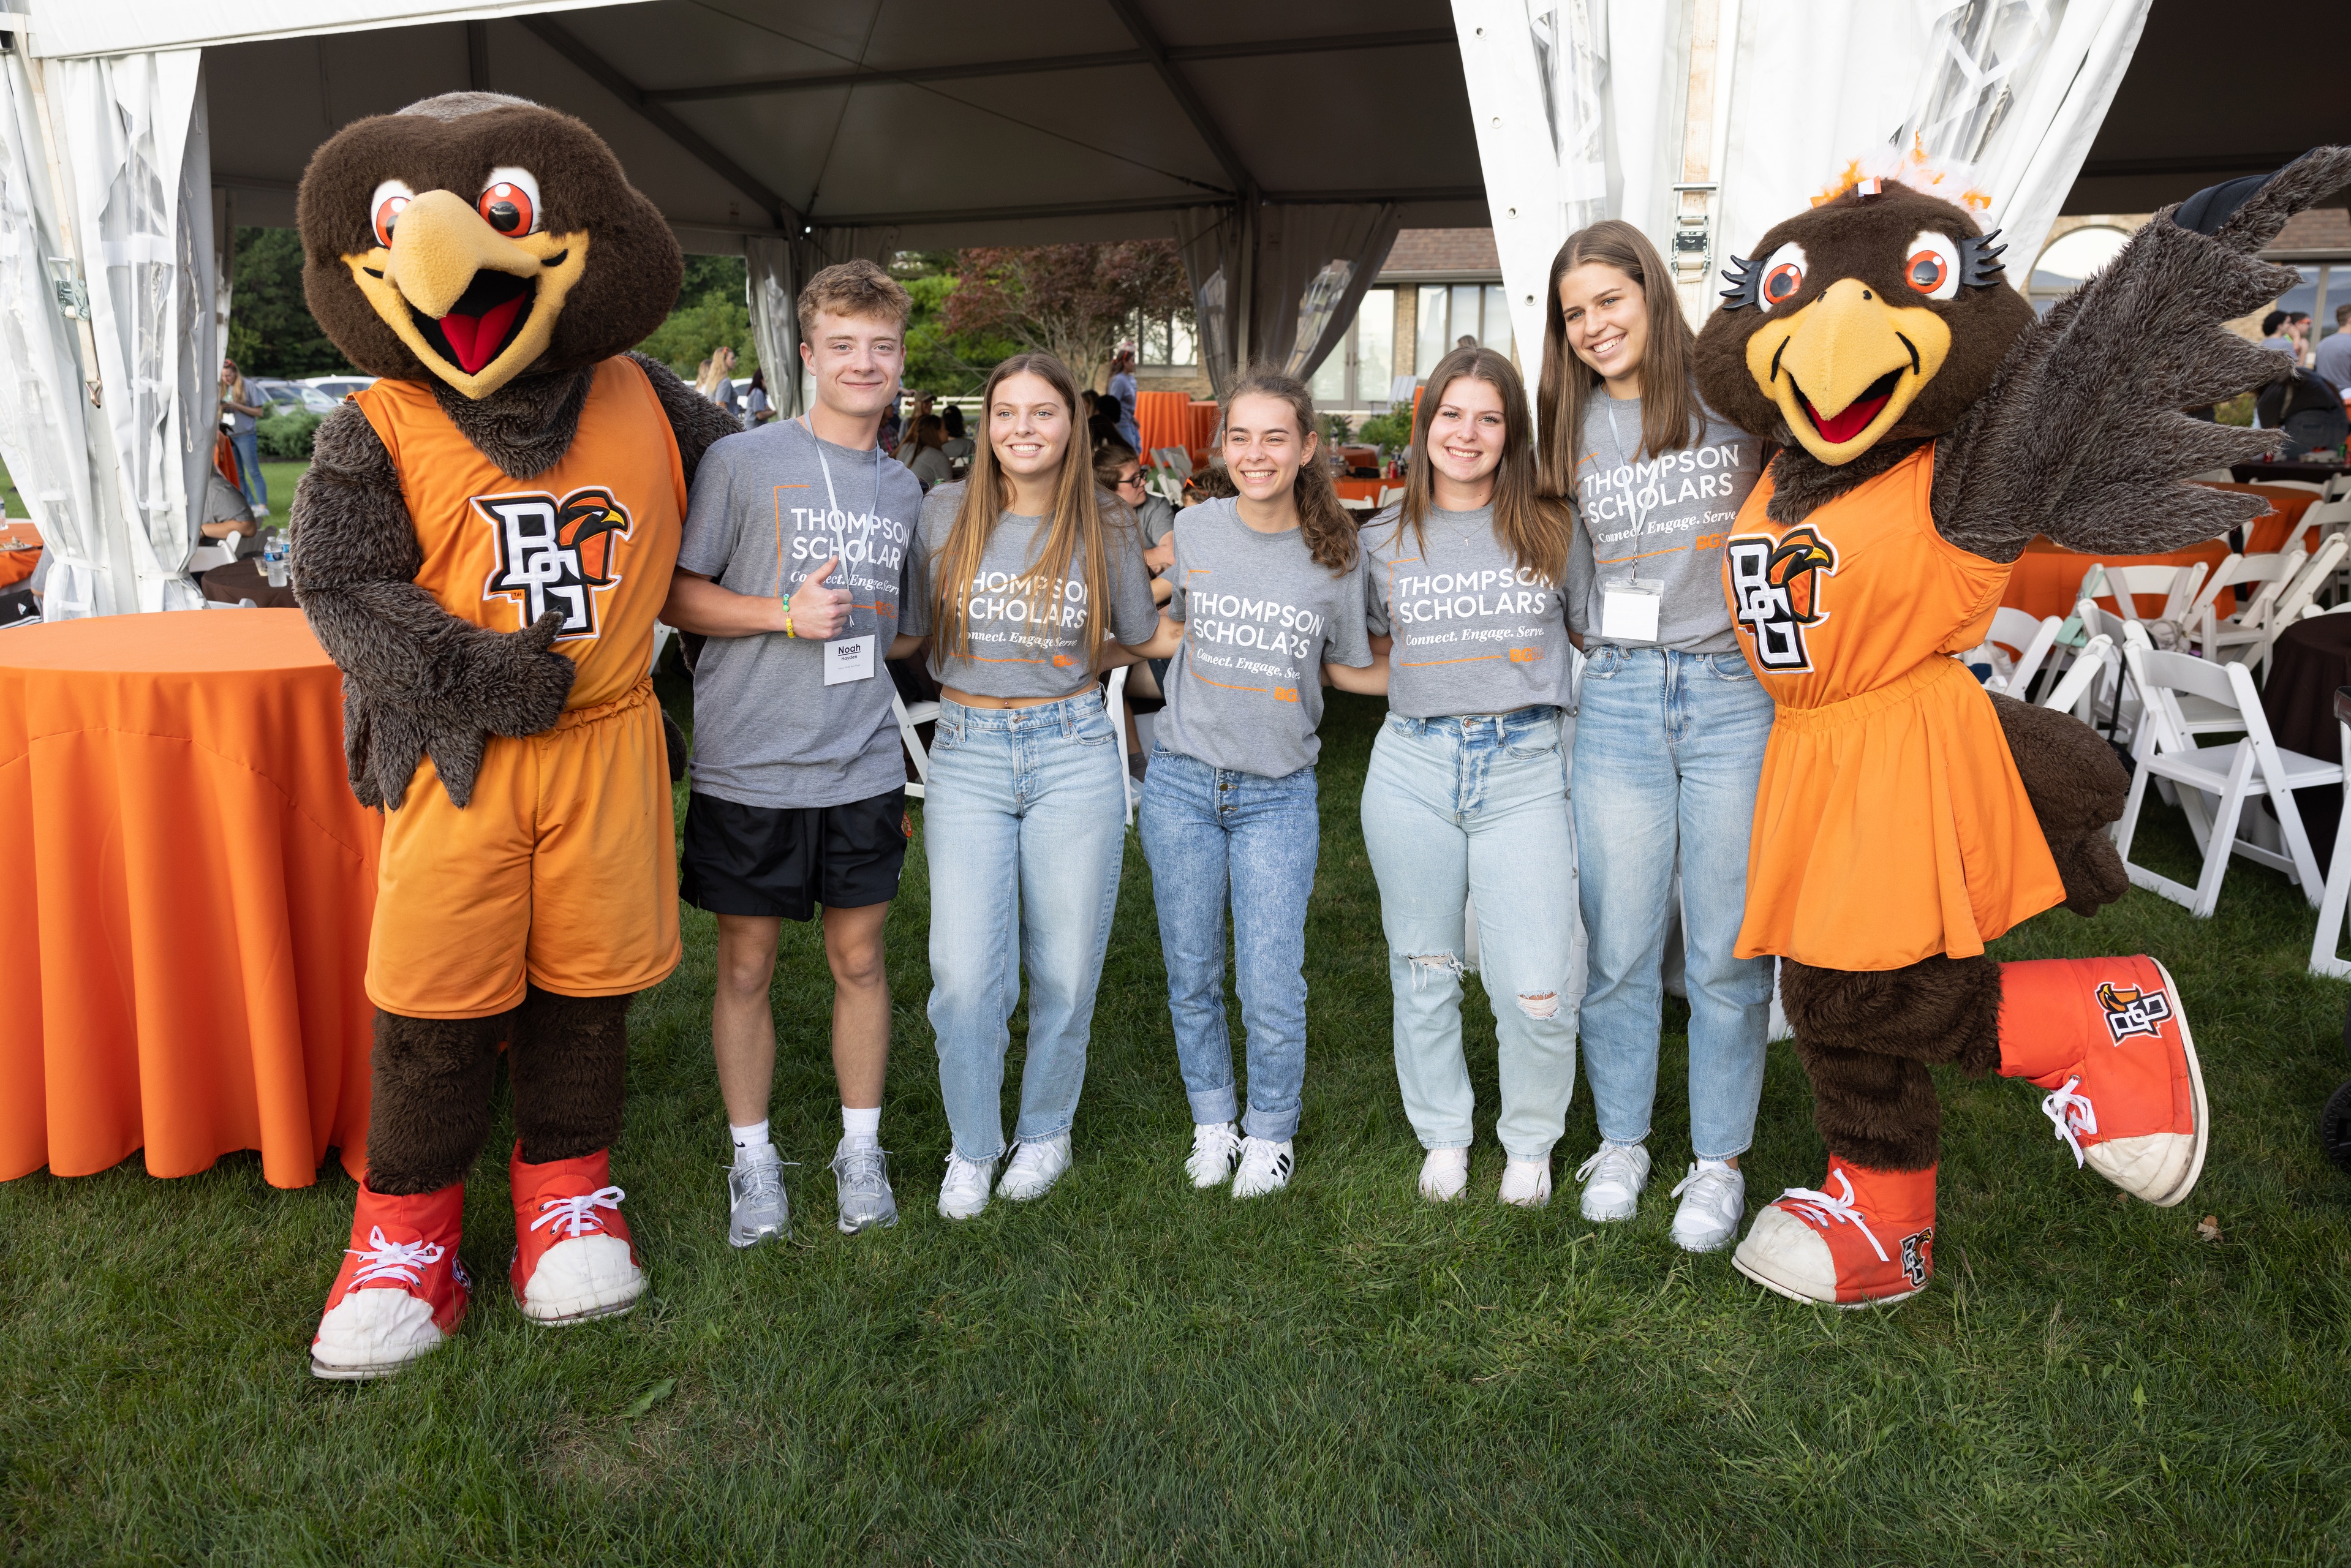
[
  {"x": 1844, "y": 368},
  {"x": 476, "y": 308}
]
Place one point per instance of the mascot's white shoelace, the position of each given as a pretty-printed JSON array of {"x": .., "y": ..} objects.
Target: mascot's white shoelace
[
  {"x": 1820, "y": 1208},
  {"x": 575, "y": 1217},
  {"x": 382, "y": 1259},
  {"x": 2073, "y": 1116}
]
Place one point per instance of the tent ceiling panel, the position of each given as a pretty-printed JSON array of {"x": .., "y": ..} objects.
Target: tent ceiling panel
[{"x": 122, "y": 26}]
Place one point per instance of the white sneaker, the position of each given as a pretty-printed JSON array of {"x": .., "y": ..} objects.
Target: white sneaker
[
  {"x": 1445, "y": 1175},
  {"x": 1034, "y": 1168},
  {"x": 1527, "y": 1183},
  {"x": 1214, "y": 1147},
  {"x": 964, "y": 1192},
  {"x": 1613, "y": 1180},
  {"x": 1713, "y": 1203},
  {"x": 1265, "y": 1168}
]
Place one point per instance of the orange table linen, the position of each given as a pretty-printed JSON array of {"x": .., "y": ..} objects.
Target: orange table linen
[
  {"x": 1205, "y": 417},
  {"x": 1163, "y": 419},
  {"x": 1363, "y": 490},
  {"x": 2047, "y": 576},
  {"x": 190, "y": 884},
  {"x": 17, "y": 565}
]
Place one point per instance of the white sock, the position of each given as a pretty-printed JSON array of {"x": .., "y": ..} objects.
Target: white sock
[
  {"x": 1714, "y": 1165},
  {"x": 860, "y": 1126},
  {"x": 749, "y": 1140}
]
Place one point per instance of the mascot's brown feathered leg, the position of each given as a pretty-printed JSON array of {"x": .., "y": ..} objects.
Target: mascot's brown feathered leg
[
  {"x": 481, "y": 543},
  {"x": 1931, "y": 428}
]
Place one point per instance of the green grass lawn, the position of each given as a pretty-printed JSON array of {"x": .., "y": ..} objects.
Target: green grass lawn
[
  {"x": 1131, "y": 1372},
  {"x": 281, "y": 476}
]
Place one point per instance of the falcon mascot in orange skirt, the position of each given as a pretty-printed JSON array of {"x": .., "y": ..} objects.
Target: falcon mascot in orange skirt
[
  {"x": 481, "y": 543},
  {"x": 1929, "y": 427}
]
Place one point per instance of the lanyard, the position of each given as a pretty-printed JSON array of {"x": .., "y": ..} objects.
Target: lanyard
[{"x": 834, "y": 514}]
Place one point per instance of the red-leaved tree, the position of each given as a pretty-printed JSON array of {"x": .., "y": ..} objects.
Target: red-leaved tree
[{"x": 1074, "y": 301}]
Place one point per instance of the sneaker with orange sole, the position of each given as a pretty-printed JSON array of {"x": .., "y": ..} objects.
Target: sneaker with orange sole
[
  {"x": 2108, "y": 1039},
  {"x": 1865, "y": 1239},
  {"x": 401, "y": 1291},
  {"x": 573, "y": 1260}
]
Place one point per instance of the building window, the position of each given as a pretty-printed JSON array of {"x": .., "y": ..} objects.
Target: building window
[
  {"x": 1452, "y": 311},
  {"x": 1357, "y": 373},
  {"x": 1165, "y": 340}
]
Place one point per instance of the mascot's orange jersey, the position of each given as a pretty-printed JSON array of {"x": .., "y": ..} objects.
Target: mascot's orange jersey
[
  {"x": 595, "y": 536},
  {"x": 1890, "y": 824}
]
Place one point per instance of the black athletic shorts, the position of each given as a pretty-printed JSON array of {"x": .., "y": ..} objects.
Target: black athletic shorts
[{"x": 759, "y": 860}]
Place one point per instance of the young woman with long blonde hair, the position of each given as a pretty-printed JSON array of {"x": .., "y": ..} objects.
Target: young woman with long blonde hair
[
  {"x": 1467, "y": 787},
  {"x": 1026, "y": 580}
]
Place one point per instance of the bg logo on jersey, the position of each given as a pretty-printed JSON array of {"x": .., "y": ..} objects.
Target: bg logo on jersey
[
  {"x": 555, "y": 551},
  {"x": 1775, "y": 587}
]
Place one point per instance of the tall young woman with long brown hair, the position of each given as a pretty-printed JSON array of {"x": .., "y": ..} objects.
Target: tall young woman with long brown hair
[
  {"x": 1467, "y": 787},
  {"x": 1025, "y": 580},
  {"x": 1267, "y": 601},
  {"x": 1669, "y": 738}
]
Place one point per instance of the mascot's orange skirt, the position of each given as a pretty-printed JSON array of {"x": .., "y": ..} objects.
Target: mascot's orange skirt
[{"x": 1890, "y": 824}]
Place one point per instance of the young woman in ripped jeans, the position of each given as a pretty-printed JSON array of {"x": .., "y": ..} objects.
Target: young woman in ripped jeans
[{"x": 1467, "y": 787}]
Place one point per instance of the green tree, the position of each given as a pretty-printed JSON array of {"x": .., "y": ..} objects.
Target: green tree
[
  {"x": 270, "y": 329},
  {"x": 713, "y": 307},
  {"x": 938, "y": 359},
  {"x": 1074, "y": 301}
]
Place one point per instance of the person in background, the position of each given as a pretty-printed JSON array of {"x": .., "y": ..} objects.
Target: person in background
[
  {"x": 2279, "y": 336},
  {"x": 910, "y": 440},
  {"x": 1268, "y": 605},
  {"x": 959, "y": 446},
  {"x": 1120, "y": 474},
  {"x": 757, "y": 409},
  {"x": 1123, "y": 387},
  {"x": 1465, "y": 342},
  {"x": 717, "y": 381},
  {"x": 239, "y": 410},
  {"x": 2333, "y": 360},
  {"x": 1671, "y": 724},
  {"x": 225, "y": 513},
  {"x": 1026, "y": 583},
  {"x": 925, "y": 457}
]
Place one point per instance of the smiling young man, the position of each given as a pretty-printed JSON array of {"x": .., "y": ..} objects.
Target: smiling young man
[{"x": 791, "y": 565}]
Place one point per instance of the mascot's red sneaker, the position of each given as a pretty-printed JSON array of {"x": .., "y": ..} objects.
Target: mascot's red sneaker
[
  {"x": 1865, "y": 1241},
  {"x": 2108, "y": 1039},
  {"x": 573, "y": 1260},
  {"x": 402, "y": 1289}
]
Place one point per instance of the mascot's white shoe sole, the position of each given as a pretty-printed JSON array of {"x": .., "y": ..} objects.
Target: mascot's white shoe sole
[
  {"x": 580, "y": 1281},
  {"x": 1788, "y": 1257},
  {"x": 2162, "y": 1167},
  {"x": 373, "y": 1334}
]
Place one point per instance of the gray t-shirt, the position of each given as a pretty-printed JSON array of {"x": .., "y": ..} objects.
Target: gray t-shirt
[
  {"x": 767, "y": 731},
  {"x": 2333, "y": 360},
  {"x": 1028, "y": 640},
  {"x": 1261, "y": 617},
  {"x": 1660, "y": 519},
  {"x": 1475, "y": 631}
]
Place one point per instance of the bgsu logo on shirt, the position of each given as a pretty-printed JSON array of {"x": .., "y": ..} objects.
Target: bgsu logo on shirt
[
  {"x": 1775, "y": 590},
  {"x": 554, "y": 552}
]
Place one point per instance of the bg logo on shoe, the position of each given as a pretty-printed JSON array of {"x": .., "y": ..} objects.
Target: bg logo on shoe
[
  {"x": 1918, "y": 1258},
  {"x": 1775, "y": 583},
  {"x": 2130, "y": 1011},
  {"x": 554, "y": 552}
]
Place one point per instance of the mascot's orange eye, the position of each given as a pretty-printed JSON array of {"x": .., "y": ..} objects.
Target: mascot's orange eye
[
  {"x": 1784, "y": 276},
  {"x": 1933, "y": 268},
  {"x": 1926, "y": 272},
  {"x": 509, "y": 202},
  {"x": 391, "y": 199}
]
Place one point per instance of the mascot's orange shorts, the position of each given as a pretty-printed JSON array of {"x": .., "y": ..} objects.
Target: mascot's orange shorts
[{"x": 561, "y": 871}]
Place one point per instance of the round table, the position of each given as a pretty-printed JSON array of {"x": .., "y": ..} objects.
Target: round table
[
  {"x": 20, "y": 552},
  {"x": 2312, "y": 659},
  {"x": 188, "y": 883},
  {"x": 242, "y": 580}
]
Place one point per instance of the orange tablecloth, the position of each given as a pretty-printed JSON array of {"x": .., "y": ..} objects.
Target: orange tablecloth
[
  {"x": 1163, "y": 419},
  {"x": 188, "y": 883},
  {"x": 2047, "y": 576},
  {"x": 1204, "y": 416},
  {"x": 1363, "y": 490},
  {"x": 17, "y": 565}
]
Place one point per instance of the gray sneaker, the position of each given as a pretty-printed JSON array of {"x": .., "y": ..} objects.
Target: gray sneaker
[
  {"x": 756, "y": 1206},
  {"x": 863, "y": 1174}
]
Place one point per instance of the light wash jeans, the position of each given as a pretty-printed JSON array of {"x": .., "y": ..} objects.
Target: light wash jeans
[
  {"x": 1025, "y": 822},
  {"x": 1206, "y": 830},
  {"x": 1477, "y": 805},
  {"x": 250, "y": 479},
  {"x": 1668, "y": 749}
]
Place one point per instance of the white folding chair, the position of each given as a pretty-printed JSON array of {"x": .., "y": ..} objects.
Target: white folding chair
[
  {"x": 2242, "y": 770},
  {"x": 219, "y": 553},
  {"x": 2073, "y": 689},
  {"x": 2297, "y": 594},
  {"x": 2028, "y": 642},
  {"x": 1114, "y": 700},
  {"x": 2325, "y": 958},
  {"x": 2312, "y": 485},
  {"x": 2124, "y": 584},
  {"x": 908, "y": 718},
  {"x": 1390, "y": 494},
  {"x": 2216, "y": 632}
]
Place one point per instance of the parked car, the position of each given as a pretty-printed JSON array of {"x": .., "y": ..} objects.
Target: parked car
[
  {"x": 339, "y": 387},
  {"x": 291, "y": 397}
]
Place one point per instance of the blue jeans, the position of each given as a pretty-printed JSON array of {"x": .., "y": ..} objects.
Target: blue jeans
[
  {"x": 1668, "y": 748},
  {"x": 1477, "y": 804},
  {"x": 249, "y": 477},
  {"x": 1206, "y": 830},
  {"x": 1025, "y": 821}
]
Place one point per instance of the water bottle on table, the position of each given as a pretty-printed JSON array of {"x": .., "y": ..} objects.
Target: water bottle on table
[{"x": 273, "y": 557}]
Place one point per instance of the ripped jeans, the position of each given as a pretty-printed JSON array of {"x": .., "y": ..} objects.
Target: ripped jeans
[{"x": 1477, "y": 805}]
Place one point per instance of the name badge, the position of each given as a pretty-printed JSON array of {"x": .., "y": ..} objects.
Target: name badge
[
  {"x": 848, "y": 659},
  {"x": 1629, "y": 607}
]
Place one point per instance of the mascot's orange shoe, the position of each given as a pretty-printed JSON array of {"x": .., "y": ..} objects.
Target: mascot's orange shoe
[
  {"x": 2108, "y": 1039},
  {"x": 1867, "y": 1239},
  {"x": 401, "y": 1291},
  {"x": 573, "y": 1259}
]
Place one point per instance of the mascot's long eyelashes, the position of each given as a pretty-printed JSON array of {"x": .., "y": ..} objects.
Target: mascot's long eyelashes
[{"x": 1979, "y": 263}]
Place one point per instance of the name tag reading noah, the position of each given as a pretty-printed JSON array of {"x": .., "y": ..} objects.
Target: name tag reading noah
[
  {"x": 1629, "y": 607},
  {"x": 849, "y": 658}
]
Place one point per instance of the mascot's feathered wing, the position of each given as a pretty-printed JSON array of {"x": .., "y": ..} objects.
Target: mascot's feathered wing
[
  {"x": 1930, "y": 428},
  {"x": 481, "y": 543}
]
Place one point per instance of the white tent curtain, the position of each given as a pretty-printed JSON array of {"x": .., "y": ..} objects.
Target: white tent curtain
[
  {"x": 1209, "y": 240},
  {"x": 1312, "y": 267},
  {"x": 775, "y": 284},
  {"x": 133, "y": 137}
]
